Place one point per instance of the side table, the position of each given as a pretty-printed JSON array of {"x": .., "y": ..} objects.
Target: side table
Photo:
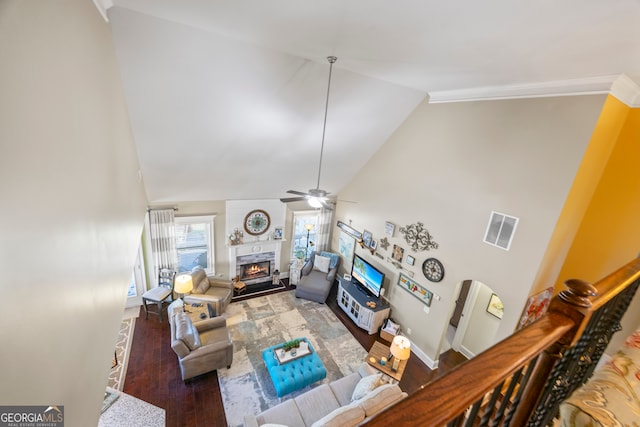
[{"x": 379, "y": 350}]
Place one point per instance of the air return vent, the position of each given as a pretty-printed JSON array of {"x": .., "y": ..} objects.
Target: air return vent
[{"x": 500, "y": 230}]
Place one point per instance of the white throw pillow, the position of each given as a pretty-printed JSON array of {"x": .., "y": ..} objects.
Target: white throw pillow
[
  {"x": 321, "y": 263},
  {"x": 364, "y": 386}
]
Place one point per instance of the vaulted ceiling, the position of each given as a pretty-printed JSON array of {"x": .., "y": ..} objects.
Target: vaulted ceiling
[{"x": 226, "y": 98}]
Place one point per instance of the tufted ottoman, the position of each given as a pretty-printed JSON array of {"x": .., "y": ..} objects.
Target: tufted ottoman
[{"x": 296, "y": 374}]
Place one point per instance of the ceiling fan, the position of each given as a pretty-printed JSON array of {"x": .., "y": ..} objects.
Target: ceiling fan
[{"x": 316, "y": 197}]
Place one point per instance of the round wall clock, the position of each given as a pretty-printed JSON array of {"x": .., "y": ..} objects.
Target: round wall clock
[
  {"x": 256, "y": 222},
  {"x": 433, "y": 269}
]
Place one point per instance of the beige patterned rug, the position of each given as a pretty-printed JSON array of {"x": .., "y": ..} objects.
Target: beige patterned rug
[
  {"x": 119, "y": 369},
  {"x": 258, "y": 323}
]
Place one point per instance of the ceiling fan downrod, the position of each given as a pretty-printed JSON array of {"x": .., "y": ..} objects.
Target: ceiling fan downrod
[{"x": 332, "y": 60}]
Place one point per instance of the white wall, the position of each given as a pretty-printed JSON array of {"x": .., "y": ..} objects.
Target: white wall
[
  {"x": 449, "y": 166},
  {"x": 72, "y": 205}
]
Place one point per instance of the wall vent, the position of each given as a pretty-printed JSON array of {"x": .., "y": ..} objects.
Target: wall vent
[{"x": 500, "y": 230}]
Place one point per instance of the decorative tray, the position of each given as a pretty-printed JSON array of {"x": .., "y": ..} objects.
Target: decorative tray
[{"x": 293, "y": 354}]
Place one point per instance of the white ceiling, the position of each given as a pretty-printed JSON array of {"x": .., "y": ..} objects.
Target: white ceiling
[{"x": 226, "y": 98}]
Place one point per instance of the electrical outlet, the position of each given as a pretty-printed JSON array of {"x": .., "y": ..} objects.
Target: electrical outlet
[{"x": 408, "y": 331}]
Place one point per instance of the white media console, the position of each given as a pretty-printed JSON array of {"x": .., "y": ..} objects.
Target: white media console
[{"x": 353, "y": 301}]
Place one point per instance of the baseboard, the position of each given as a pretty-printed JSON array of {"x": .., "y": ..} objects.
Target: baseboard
[{"x": 432, "y": 364}]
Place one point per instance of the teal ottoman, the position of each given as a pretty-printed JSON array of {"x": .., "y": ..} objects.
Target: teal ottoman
[{"x": 296, "y": 374}]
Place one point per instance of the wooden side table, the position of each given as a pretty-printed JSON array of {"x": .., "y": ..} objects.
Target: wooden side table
[
  {"x": 239, "y": 287},
  {"x": 379, "y": 350}
]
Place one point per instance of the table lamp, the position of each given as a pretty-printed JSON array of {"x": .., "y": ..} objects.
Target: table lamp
[
  {"x": 183, "y": 285},
  {"x": 400, "y": 349}
]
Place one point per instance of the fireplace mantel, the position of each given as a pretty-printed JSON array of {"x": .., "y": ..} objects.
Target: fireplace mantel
[{"x": 253, "y": 248}]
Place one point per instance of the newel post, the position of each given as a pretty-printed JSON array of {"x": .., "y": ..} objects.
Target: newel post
[{"x": 573, "y": 303}]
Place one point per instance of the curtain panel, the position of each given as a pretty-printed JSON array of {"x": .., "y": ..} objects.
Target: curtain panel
[
  {"x": 163, "y": 239},
  {"x": 324, "y": 227}
]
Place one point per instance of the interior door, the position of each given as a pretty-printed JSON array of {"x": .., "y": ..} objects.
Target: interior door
[{"x": 461, "y": 301}]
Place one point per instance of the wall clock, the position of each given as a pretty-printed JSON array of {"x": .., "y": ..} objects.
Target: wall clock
[
  {"x": 256, "y": 222},
  {"x": 433, "y": 269}
]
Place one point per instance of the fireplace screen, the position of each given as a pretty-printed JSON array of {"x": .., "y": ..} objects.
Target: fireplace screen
[{"x": 255, "y": 270}]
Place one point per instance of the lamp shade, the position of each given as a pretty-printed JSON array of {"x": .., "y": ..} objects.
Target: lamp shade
[
  {"x": 183, "y": 284},
  {"x": 401, "y": 347}
]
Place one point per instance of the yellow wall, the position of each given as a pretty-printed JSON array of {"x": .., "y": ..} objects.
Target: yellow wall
[
  {"x": 609, "y": 234},
  {"x": 592, "y": 168}
]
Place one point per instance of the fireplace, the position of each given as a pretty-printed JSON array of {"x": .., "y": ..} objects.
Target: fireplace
[
  {"x": 256, "y": 267},
  {"x": 255, "y": 270}
]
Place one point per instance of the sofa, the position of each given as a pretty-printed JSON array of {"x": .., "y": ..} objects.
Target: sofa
[
  {"x": 208, "y": 289},
  {"x": 317, "y": 276},
  {"x": 346, "y": 402},
  {"x": 610, "y": 397},
  {"x": 202, "y": 346}
]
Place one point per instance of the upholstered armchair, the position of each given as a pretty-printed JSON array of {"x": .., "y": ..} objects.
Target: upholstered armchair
[
  {"x": 201, "y": 347},
  {"x": 208, "y": 289},
  {"x": 317, "y": 276}
]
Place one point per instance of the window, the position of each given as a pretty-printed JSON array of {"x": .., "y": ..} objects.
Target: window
[
  {"x": 305, "y": 225},
  {"x": 194, "y": 243}
]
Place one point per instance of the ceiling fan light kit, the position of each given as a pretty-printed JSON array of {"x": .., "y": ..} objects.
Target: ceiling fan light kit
[{"x": 316, "y": 197}]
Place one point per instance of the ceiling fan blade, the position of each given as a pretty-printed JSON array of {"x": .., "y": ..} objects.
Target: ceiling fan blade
[
  {"x": 326, "y": 204},
  {"x": 299, "y": 193},
  {"x": 292, "y": 199}
]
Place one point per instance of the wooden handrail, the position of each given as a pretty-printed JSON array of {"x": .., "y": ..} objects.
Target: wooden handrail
[{"x": 540, "y": 344}]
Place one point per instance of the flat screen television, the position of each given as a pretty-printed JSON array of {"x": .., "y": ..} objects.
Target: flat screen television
[{"x": 367, "y": 276}]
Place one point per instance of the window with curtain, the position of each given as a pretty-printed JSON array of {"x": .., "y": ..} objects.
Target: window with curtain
[
  {"x": 194, "y": 243},
  {"x": 303, "y": 240}
]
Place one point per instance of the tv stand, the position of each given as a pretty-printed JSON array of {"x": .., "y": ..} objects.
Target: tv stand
[{"x": 353, "y": 301}]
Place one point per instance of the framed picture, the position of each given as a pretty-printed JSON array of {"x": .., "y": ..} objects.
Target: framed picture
[
  {"x": 366, "y": 238},
  {"x": 398, "y": 253},
  {"x": 415, "y": 289},
  {"x": 410, "y": 260},
  {"x": 277, "y": 233},
  {"x": 495, "y": 306},
  {"x": 374, "y": 245},
  {"x": 535, "y": 307},
  {"x": 346, "y": 246},
  {"x": 389, "y": 228}
]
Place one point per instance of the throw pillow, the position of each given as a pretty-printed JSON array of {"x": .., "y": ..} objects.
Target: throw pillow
[
  {"x": 202, "y": 287},
  {"x": 321, "y": 264},
  {"x": 364, "y": 386},
  {"x": 333, "y": 257}
]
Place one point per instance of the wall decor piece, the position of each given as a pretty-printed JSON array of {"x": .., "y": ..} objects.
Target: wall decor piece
[
  {"x": 418, "y": 291},
  {"x": 389, "y": 228},
  {"x": 366, "y": 238},
  {"x": 433, "y": 269},
  {"x": 410, "y": 260},
  {"x": 398, "y": 253},
  {"x": 346, "y": 246},
  {"x": 495, "y": 306},
  {"x": 256, "y": 222},
  {"x": 418, "y": 237},
  {"x": 535, "y": 307},
  {"x": 398, "y": 265},
  {"x": 277, "y": 233},
  {"x": 384, "y": 243},
  {"x": 349, "y": 230},
  {"x": 374, "y": 245}
]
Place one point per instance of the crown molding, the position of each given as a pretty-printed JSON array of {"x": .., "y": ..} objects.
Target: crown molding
[
  {"x": 620, "y": 86},
  {"x": 103, "y": 6},
  {"x": 626, "y": 91}
]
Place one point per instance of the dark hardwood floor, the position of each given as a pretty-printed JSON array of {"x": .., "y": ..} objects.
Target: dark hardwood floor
[{"x": 153, "y": 374}]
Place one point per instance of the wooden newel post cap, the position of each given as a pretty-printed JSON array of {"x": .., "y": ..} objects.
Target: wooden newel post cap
[{"x": 578, "y": 292}]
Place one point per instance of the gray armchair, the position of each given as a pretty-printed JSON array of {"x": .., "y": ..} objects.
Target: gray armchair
[
  {"x": 314, "y": 284},
  {"x": 201, "y": 347}
]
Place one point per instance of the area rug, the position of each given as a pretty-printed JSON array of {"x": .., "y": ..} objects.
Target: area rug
[
  {"x": 258, "y": 323},
  {"x": 123, "y": 345}
]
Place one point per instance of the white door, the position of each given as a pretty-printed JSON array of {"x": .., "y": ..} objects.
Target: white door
[{"x": 137, "y": 283}]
